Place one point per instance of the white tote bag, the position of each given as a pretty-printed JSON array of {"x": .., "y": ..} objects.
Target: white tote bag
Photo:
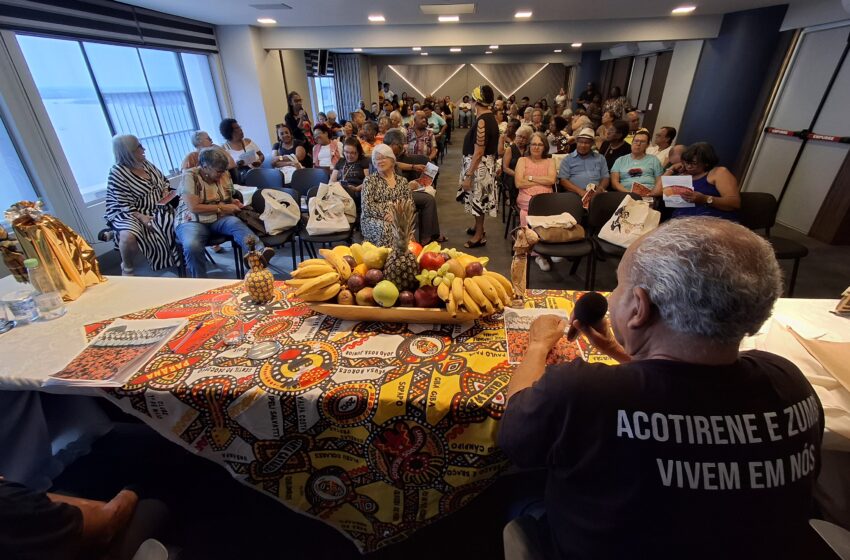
[
  {"x": 632, "y": 219},
  {"x": 281, "y": 212},
  {"x": 327, "y": 213},
  {"x": 338, "y": 191}
]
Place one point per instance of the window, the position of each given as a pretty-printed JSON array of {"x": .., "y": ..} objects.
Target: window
[
  {"x": 16, "y": 185},
  {"x": 325, "y": 98},
  {"x": 94, "y": 90}
]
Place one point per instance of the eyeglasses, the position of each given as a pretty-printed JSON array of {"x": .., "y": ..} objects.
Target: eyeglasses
[{"x": 536, "y": 145}]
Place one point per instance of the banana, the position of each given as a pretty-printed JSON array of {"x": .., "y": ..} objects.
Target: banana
[
  {"x": 357, "y": 252},
  {"x": 317, "y": 283},
  {"x": 451, "y": 305},
  {"x": 296, "y": 282},
  {"x": 312, "y": 271},
  {"x": 337, "y": 262},
  {"x": 328, "y": 292},
  {"x": 506, "y": 284},
  {"x": 475, "y": 291},
  {"x": 500, "y": 290},
  {"x": 489, "y": 291},
  {"x": 311, "y": 262},
  {"x": 342, "y": 251},
  {"x": 457, "y": 290},
  {"x": 443, "y": 291},
  {"x": 470, "y": 304}
]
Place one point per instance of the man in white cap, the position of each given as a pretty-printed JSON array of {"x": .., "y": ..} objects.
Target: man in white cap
[{"x": 584, "y": 170}]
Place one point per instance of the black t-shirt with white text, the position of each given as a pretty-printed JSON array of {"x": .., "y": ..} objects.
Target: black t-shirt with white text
[{"x": 658, "y": 459}]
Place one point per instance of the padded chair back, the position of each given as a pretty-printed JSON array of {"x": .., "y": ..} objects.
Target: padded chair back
[
  {"x": 556, "y": 203},
  {"x": 602, "y": 207},
  {"x": 305, "y": 179},
  {"x": 258, "y": 203},
  {"x": 263, "y": 177},
  {"x": 758, "y": 211}
]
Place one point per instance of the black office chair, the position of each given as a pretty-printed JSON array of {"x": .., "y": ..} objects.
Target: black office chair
[
  {"x": 758, "y": 212},
  {"x": 264, "y": 178},
  {"x": 325, "y": 240},
  {"x": 550, "y": 205},
  {"x": 602, "y": 207},
  {"x": 258, "y": 203},
  {"x": 305, "y": 179}
]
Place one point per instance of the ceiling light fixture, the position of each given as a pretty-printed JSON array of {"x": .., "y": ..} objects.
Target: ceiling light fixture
[
  {"x": 682, "y": 10},
  {"x": 406, "y": 80},
  {"x": 447, "y": 79},
  {"x": 423, "y": 54},
  {"x": 357, "y": 49},
  {"x": 455, "y": 49},
  {"x": 576, "y": 45},
  {"x": 488, "y": 52},
  {"x": 417, "y": 48},
  {"x": 523, "y": 14},
  {"x": 494, "y": 47},
  {"x": 474, "y": 67},
  {"x": 377, "y": 18},
  {"x": 449, "y": 19},
  {"x": 266, "y": 20},
  {"x": 559, "y": 50}
]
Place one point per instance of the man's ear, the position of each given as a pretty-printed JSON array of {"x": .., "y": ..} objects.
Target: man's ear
[{"x": 642, "y": 310}]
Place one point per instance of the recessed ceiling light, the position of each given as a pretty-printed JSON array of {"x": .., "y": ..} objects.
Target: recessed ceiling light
[
  {"x": 523, "y": 14},
  {"x": 488, "y": 52},
  {"x": 357, "y": 49},
  {"x": 266, "y": 20},
  {"x": 423, "y": 54},
  {"x": 377, "y": 18},
  {"x": 455, "y": 49},
  {"x": 494, "y": 47},
  {"x": 417, "y": 48},
  {"x": 682, "y": 10},
  {"x": 559, "y": 50},
  {"x": 576, "y": 45},
  {"x": 449, "y": 19}
]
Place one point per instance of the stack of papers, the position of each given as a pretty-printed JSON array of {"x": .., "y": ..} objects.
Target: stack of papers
[
  {"x": 117, "y": 353},
  {"x": 673, "y": 186}
]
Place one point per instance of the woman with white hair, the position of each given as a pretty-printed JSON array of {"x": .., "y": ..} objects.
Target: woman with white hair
[
  {"x": 201, "y": 140},
  {"x": 133, "y": 190},
  {"x": 380, "y": 191}
]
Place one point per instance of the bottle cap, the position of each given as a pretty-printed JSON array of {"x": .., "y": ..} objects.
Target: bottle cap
[{"x": 31, "y": 263}]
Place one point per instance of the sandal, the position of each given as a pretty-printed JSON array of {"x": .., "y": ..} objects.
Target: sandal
[{"x": 472, "y": 245}]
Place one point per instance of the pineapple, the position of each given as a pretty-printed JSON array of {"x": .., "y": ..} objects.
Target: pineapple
[
  {"x": 401, "y": 267},
  {"x": 259, "y": 282}
]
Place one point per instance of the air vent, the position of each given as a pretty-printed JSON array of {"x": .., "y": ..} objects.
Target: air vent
[
  {"x": 447, "y": 9},
  {"x": 272, "y": 6}
]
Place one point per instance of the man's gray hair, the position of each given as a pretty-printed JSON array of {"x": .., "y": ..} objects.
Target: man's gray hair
[
  {"x": 708, "y": 277},
  {"x": 331, "y": 114},
  {"x": 525, "y": 130},
  {"x": 196, "y": 137},
  {"x": 214, "y": 158},
  {"x": 395, "y": 136},
  {"x": 123, "y": 146}
]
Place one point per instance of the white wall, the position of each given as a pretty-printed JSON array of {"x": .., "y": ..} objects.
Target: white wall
[
  {"x": 296, "y": 80},
  {"x": 680, "y": 76},
  {"x": 815, "y": 12}
]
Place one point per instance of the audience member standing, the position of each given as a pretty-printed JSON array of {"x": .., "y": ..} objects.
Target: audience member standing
[{"x": 291, "y": 119}]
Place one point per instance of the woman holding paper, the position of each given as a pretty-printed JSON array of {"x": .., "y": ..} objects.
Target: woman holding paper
[
  {"x": 243, "y": 150},
  {"x": 287, "y": 151},
  {"x": 715, "y": 191}
]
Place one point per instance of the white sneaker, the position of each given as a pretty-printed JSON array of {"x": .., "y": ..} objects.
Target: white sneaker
[
  {"x": 557, "y": 259},
  {"x": 543, "y": 264}
]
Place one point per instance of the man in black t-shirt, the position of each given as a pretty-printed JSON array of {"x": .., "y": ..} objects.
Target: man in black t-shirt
[{"x": 688, "y": 448}]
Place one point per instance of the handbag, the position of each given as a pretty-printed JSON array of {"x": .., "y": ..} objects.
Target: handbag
[
  {"x": 326, "y": 213},
  {"x": 630, "y": 220},
  {"x": 560, "y": 228},
  {"x": 338, "y": 191},
  {"x": 282, "y": 212}
]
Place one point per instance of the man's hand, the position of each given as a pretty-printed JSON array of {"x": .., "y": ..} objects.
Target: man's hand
[
  {"x": 546, "y": 331},
  {"x": 599, "y": 335},
  {"x": 419, "y": 167}
]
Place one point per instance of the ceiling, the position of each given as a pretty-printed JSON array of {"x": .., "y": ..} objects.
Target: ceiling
[
  {"x": 330, "y": 13},
  {"x": 466, "y": 50}
]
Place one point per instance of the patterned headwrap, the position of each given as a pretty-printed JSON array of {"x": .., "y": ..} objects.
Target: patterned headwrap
[{"x": 477, "y": 95}]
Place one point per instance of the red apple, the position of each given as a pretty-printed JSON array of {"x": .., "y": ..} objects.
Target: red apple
[
  {"x": 426, "y": 297},
  {"x": 406, "y": 299},
  {"x": 431, "y": 261},
  {"x": 414, "y": 247},
  {"x": 474, "y": 269}
]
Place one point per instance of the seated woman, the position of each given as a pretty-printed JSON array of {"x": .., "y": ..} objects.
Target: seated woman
[
  {"x": 383, "y": 127},
  {"x": 285, "y": 146},
  {"x": 326, "y": 152},
  {"x": 464, "y": 112},
  {"x": 558, "y": 141},
  {"x": 395, "y": 120},
  {"x": 715, "y": 191},
  {"x": 380, "y": 191},
  {"x": 352, "y": 169},
  {"x": 602, "y": 131},
  {"x": 535, "y": 174},
  {"x": 350, "y": 130},
  {"x": 208, "y": 207},
  {"x": 637, "y": 172},
  {"x": 367, "y": 137},
  {"x": 244, "y": 151},
  {"x": 133, "y": 192},
  {"x": 201, "y": 140}
]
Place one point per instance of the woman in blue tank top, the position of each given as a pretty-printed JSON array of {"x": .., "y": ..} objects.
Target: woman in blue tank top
[{"x": 715, "y": 188}]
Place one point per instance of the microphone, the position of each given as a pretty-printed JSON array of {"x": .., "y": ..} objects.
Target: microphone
[{"x": 590, "y": 309}]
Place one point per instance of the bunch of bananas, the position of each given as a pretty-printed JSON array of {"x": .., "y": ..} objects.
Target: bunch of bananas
[
  {"x": 320, "y": 279},
  {"x": 478, "y": 295}
]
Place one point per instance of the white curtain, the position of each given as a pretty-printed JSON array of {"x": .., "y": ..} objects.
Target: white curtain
[{"x": 346, "y": 84}]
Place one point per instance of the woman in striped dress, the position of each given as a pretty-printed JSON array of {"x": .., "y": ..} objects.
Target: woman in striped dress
[{"x": 133, "y": 190}]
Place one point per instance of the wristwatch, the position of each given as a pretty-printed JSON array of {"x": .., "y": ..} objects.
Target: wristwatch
[{"x": 709, "y": 200}]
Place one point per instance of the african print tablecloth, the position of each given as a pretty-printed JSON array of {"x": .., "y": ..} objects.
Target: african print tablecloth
[{"x": 376, "y": 429}]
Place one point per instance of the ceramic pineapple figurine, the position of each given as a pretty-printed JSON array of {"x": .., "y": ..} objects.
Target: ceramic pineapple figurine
[
  {"x": 401, "y": 267},
  {"x": 259, "y": 282}
]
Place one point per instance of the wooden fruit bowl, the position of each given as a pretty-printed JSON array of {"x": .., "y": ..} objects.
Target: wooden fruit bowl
[{"x": 425, "y": 315}]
